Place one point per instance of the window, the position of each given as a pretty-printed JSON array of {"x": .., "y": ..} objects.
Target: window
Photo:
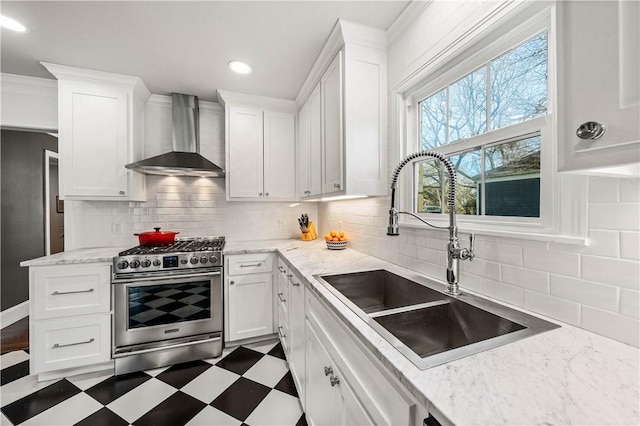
[{"x": 491, "y": 122}]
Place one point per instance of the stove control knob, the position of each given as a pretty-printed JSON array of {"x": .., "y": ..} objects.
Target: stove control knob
[
  {"x": 213, "y": 259},
  {"x": 184, "y": 260},
  {"x": 135, "y": 263},
  {"x": 156, "y": 262},
  {"x": 204, "y": 259},
  {"x": 193, "y": 260},
  {"x": 145, "y": 263},
  {"x": 123, "y": 264}
]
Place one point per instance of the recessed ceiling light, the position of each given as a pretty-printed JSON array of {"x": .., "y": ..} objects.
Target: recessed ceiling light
[
  {"x": 240, "y": 67},
  {"x": 12, "y": 24}
]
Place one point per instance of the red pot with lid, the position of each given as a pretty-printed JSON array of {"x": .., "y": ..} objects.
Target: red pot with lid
[{"x": 156, "y": 238}]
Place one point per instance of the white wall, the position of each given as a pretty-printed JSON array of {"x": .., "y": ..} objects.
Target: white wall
[{"x": 595, "y": 287}]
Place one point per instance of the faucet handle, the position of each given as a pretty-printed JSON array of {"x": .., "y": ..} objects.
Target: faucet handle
[{"x": 472, "y": 243}]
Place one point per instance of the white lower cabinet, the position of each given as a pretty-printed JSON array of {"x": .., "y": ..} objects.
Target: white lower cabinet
[
  {"x": 70, "y": 327},
  {"x": 248, "y": 296},
  {"x": 296, "y": 357},
  {"x": 344, "y": 383}
]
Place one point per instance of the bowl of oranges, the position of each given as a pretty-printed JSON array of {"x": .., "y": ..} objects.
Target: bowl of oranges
[{"x": 336, "y": 240}]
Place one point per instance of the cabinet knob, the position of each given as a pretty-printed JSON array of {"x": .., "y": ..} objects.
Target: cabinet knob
[
  {"x": 328, "y": 371},
  {"x": 266, "y": 194},
  {"x": 334, "y": 380},
  {"x": 590, "y": 130},
  {"x": 307, "y": 192},
  {"x": 231, "y": 282},
  {"x": 121, "y": 192},
  {"x": 259, "y": 194},
  {"x": 336, "y": 185}
]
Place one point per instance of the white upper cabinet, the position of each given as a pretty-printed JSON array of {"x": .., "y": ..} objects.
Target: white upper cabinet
[
  {"x": 101, "y": 129},
  {"x": 309, "y": 146},
  {"x": 260, "y": 147},
  {"x": 351, "y": 72},
  {"x": 599, "y": 81}
]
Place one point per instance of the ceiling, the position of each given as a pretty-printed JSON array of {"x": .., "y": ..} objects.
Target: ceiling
[{"x": 184, "y": 46}]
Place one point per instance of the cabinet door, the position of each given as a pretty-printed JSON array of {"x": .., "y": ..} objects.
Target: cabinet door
[
  {"x": 246, "y": 157},
  {"x": 315, "y": 142},
  {"x": 296, "y": 356},
  {"x": 321, "y": 399},
  {"x": 279, "y": 156},
  {"x": 303, "y": 151},
  {"x": 93, "y": 140},
  {"x": 250, "y": 306},
  {"x": 600, "y": 81},
  {"x": 332, "y": 132}
]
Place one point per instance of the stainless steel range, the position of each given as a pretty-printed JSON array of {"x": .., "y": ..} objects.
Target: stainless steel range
[{"x": 167, "y": 304}]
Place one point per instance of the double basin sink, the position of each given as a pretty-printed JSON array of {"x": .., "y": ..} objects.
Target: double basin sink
[{"x": 426, "y": 325}]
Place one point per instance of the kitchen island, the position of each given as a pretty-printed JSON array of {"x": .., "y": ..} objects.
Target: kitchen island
[{"x": 563, "y": 376}]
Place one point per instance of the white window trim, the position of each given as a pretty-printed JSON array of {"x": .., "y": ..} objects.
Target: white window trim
[{"x": 501, "y": 37}]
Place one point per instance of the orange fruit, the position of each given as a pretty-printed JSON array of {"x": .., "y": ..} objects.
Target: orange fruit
[
  {"x": 327, "y": 237},
  {"x": 341, "y": 234},
  {"x": 332, "y": 233},
  {"x": 343, "y": 239},
  {"x": 335, "y": 239}
]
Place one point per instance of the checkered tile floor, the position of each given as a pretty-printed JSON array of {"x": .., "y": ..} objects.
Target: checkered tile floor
[{"x": 248, "y": 385}]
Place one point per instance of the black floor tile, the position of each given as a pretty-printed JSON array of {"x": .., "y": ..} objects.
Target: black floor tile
[
  {"x": 241, "y": 398},
  {"x": 178, "y": 409},
  {"x": 302, "y": 421},
  {"x": 277, "y": 351},
  {"x": 14, "y": 372},
  {"x": 287, "y": 385},
  {"x": 180, "y": 374},
  {"x": 31, "y": 405},
  {"x": 103, "y": 417},
  {"x": 240, "y": 360},
  {"x": 114, "y": 387}
]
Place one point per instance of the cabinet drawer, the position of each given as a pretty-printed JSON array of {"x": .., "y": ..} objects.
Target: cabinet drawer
[
  {"x": 282, "y": 297},
  {"x": 70, "y": 342},
  {"x": 68, "y": 290},
  {"x": 282, "y": 268},
  {"x": 283, "y": 329},
  {"x": 253, "y": 263}
]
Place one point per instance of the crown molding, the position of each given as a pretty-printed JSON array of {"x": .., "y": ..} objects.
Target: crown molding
[
  {"x": 235, "y": 98},
  {"x": 28, "y": 85},
  {"x": 408, "y": 16}
]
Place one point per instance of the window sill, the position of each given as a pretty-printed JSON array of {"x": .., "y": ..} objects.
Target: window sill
[{"x": 522, "y": 235}]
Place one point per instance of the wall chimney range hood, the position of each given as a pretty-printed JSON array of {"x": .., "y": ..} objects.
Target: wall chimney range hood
[{"x": 185, "y": 159}]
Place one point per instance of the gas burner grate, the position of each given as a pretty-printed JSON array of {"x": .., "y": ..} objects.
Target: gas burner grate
[{"x": 180, "y": 246}]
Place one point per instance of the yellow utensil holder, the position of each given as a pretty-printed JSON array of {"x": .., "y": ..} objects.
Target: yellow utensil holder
[{"x": 311, "y": 234}]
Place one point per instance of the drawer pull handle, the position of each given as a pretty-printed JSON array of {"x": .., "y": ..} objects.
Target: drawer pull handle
[
  {"x": 60, "y": 293},
  {"x": 57, "y": 346},
  {"x": 295, "y": 283},
  {"x": 281, "y": 269},
  {"x": 250, "y": 265},
  {"x": 334, "y": 380},
  {"x": 281, "y": 333},
  {"x": 290, "y": 275},
  {"x": 328, "y": 371},
  {"x": 281, "y": 298}
]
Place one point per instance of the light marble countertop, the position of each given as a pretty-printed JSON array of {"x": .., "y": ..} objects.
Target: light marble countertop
[{"x": 563, "y": 376}]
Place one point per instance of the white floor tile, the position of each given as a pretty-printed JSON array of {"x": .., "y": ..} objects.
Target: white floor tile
[
  {"x": 22, "y": 387},
  {"x": 4, "y": 421},
  {"x": 13, "y": 358},
  {"x": 208, "y": 385},
  {"x": 132, "y": 405},
  {"x": 154, "y": 372},
  {"x": 85, "y": 381},
  {"x": 268, "y": 371},
  {"x": 67, "y": 412},
  {"x": 211, "y": 416},
  {"x": 263, "y": 347},
  {"x": 278, "y": 408}
]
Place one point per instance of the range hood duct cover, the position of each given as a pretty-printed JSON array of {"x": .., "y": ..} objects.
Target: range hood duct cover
[{"x": 185, "y": 159}]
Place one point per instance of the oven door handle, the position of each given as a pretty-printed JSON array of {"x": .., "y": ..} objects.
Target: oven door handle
[
  {"x": 166, "y": 277},
  {"x": 163, "y": 348}
]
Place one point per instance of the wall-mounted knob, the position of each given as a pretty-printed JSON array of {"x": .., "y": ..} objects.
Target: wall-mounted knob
[{"x": 590, "y": 130}]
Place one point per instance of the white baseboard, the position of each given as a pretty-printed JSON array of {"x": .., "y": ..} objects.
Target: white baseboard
[{"x": 14, "y": 314}]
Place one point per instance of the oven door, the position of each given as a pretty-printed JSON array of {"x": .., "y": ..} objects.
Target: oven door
[{"x": 154, "y": 309}]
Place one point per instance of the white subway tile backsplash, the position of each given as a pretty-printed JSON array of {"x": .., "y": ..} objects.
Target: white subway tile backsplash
[
  {"x": 553, "y": 307},
  {"x": 619, "y": 272},
  {"x": 630, "y": 245},
  {"x": 552, "y": 261},
  {"x": 505, "y": 292},
  {"x": 482, "y": 268},
  {"x": 630, "y": 303},
  {"x": 603, "y": 190},
  {"x": 623, "y": 329},
  {"x": 502, "y": 253},
  {"x": 585, "y": 292},
  {"x": 630, "y": 190},
  {"x": 526, "y": 278},
  {"x": 620, "y": 216}
]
